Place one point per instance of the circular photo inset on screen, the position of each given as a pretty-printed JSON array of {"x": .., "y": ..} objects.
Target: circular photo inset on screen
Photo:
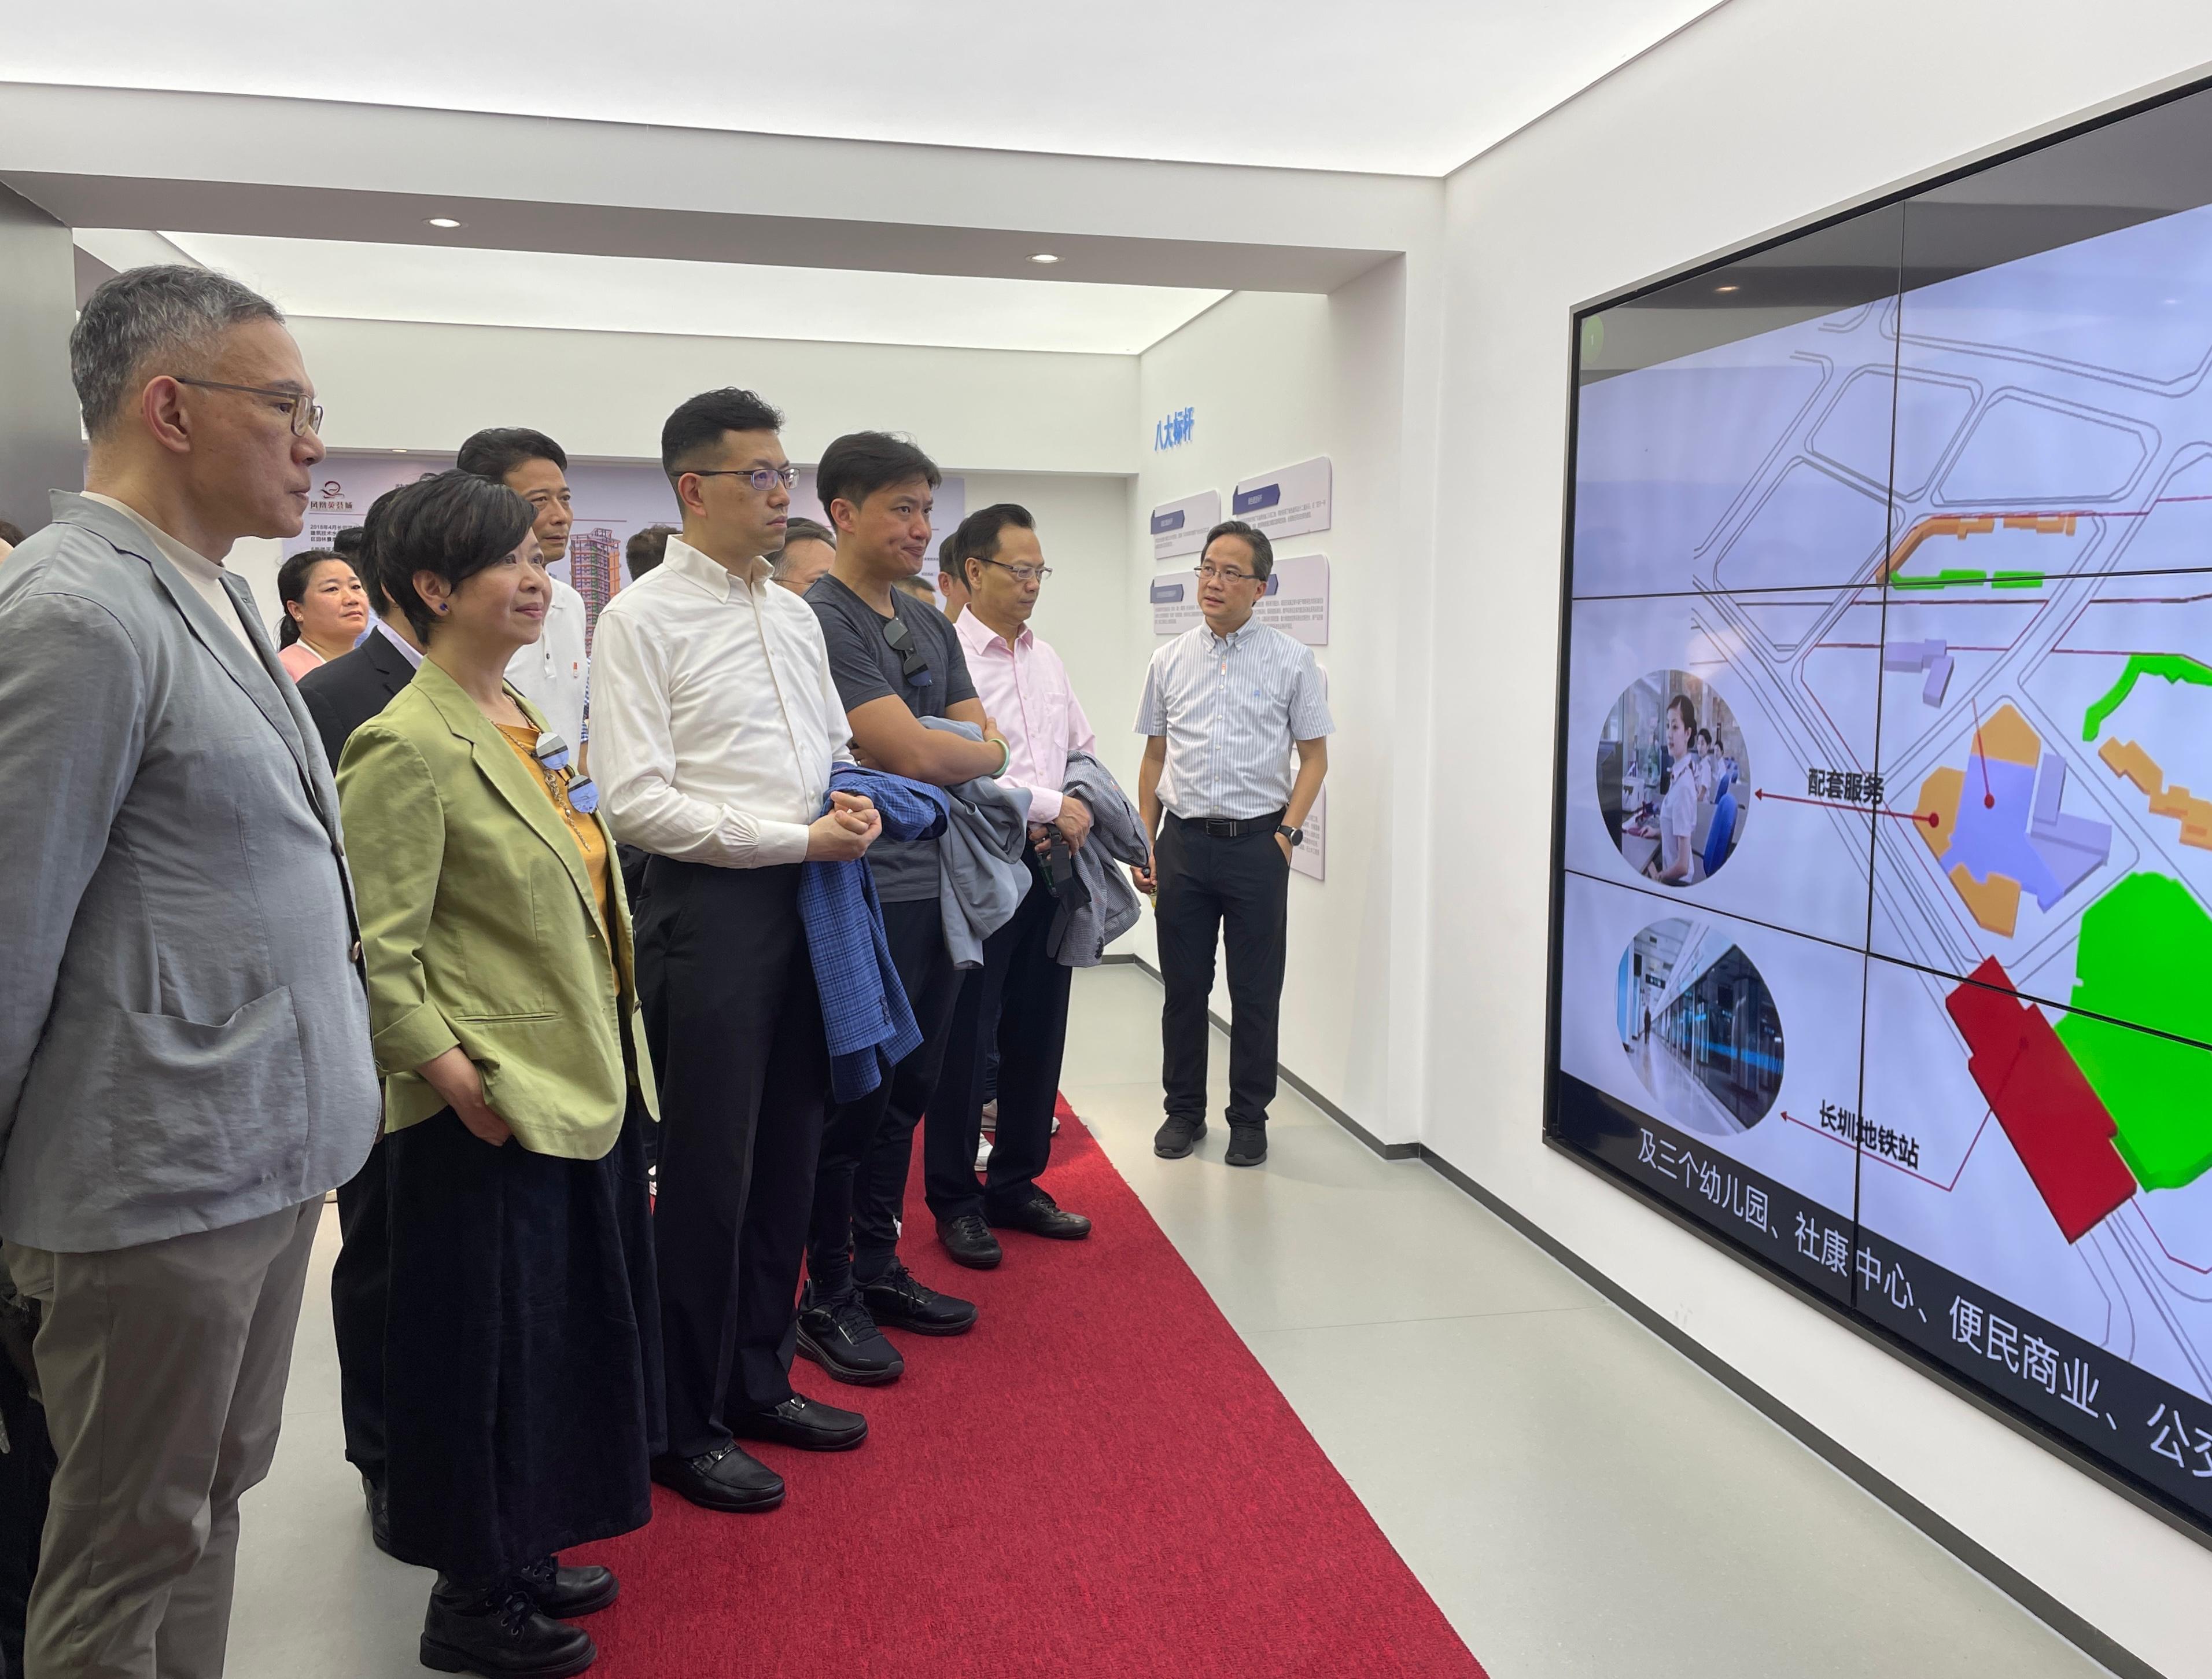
[
  {"x": 1673, "y": 780},
  {"x": 1699, "y": 1025}
]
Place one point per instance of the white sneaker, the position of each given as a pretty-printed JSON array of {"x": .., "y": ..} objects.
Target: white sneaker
[{"x": 982, "y": 1155}]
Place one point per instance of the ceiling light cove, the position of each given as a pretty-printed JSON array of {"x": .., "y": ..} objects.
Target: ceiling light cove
[
  {"x": 440, "y": 222},
  {"x": 1044, "y": 257},
  {"x": 456, "y": 285}
]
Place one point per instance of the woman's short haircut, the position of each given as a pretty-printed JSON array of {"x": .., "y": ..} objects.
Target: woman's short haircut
[
  {"x": 694, "y": 431},
  {"x": 979, "y": 534},
  {"x": 451, "y": 525},
  {"x": 292, "y": 578},
  {"x": 860, "y": 463},
  {"x": 1263, "y": 551}
]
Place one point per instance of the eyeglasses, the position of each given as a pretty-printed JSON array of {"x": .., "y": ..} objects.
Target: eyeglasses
[
  {"x": 1223, "y": 574},
  {"x": 306, "y": 415},
  {"x": 552, "y": 752},
  {"x": 1022, "y": 573},
  {"x": 762, "y": 479},
  {"x": 914, "y": 663}
]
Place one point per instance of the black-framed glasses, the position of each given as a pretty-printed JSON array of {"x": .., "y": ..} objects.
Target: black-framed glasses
[
  {"x": 1022, "y": 573},
  {"x": 1222, "y": 574},
  {"x": 762, "y": 478},
  {"x": 304, "y": 413},
  {"x": 914, "y": 663}
]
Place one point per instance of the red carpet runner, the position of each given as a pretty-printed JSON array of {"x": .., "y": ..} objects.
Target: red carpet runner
[{"x": 1098, "y": 1480}]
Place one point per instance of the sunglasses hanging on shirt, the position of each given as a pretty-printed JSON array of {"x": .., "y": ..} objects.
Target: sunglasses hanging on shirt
[
  {"x": 915, "y": 662},
  {"x": 552, "y": 752}
]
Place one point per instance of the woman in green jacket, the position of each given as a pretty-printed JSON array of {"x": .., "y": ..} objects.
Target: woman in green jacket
[{"x": 522, "y": 1346}]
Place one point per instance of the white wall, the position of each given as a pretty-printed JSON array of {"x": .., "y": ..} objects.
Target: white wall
[
  {"x": 402, "y": 385},
  {"x": 1766, "y": 112},
  {"x": 1275, "y": 380}
]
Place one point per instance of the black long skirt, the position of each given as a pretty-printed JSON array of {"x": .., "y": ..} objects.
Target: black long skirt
[{"x": 522, "y": 1348}]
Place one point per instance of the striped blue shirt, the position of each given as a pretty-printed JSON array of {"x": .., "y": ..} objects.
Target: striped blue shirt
[{"x": 1229, "y": 708}]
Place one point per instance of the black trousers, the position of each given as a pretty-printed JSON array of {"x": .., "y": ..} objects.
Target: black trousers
[
  {"x": 868, "y": 1145},
  {"x": 1236, "y": 891},
  {"x": 361, "y": 1286},
  {"x": 523, "y": 1363},
  {"x": 1025, "y": 991},
  {"x": 734, "y": 1025},
  {"x": 26, "y": 1470}
]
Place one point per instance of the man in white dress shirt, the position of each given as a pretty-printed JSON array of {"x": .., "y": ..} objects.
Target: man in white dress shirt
[
  {"x": 555, "y": 673},
  {"x": 718, "y": 725},
  {"x": 1225, "y": 705}
]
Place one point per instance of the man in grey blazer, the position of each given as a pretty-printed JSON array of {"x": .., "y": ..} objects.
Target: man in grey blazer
[{"x": 184, "y": 1066}]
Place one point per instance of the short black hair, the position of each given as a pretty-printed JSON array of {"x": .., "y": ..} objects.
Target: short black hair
[
  {"x": 1688, "y": 708},
  {"x": 800, "y": 530},
  {"x": 453, "y": 524},
  {"x": 980, "y": 532},
  {"x": 11, "y": 532},
  {"x": 1263, "y": 551},
  {"x": 346, "y": 543},
  {"x": 860, "y": 463},
  {"x": 697, "y": 426},
  {"x": 498, "y": 450},
  {"x": 292, "y": 579},
  {"x": 647, "y": 549},
  {"x": 364, "y": 564}
]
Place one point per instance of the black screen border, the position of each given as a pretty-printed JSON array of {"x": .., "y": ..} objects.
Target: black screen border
[{"x": 2112, "y": 1477}]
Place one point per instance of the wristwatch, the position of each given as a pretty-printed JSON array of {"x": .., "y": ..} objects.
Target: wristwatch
[{"x": 1296, "y": 836}]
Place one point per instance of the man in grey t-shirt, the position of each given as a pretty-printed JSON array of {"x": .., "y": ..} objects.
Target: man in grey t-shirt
[{"x": 895, "y": 661}]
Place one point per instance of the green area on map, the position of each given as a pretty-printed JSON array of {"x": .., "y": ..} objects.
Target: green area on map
[
  {"x": 2144, "y": 953},
  {"x": 2174, "y": 666},
  {"x": 2016, "y": 579},
  {"x": 1942, "y": 579}
]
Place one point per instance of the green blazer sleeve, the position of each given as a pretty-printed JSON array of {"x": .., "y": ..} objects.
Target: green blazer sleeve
[{"x": 395, "y": 832}]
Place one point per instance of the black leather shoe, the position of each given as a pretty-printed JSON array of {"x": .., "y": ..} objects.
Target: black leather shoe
[
  {"x": 1178, "y": 1137},
  {"x": 500, "y": 1634},
  {"x": 564, "y": 1594},
  {"x": 900, "y": 1300},
  {"x": 1041, "y": 1215},
  {"x": 380, "y": 1514},
  {"x": 1248, "y": 1144},
  {"x": 806, "y": 1423},
  {"x": 970, "y": 1241},
  {"x": 723, "y": 1479},
  {"x": 840, "y": 1336}
]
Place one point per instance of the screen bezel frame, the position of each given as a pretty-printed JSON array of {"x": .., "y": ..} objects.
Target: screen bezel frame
[{"x": 2113, "y": 1477}]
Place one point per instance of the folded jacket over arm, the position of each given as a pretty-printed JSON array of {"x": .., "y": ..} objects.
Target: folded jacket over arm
[
  {"x": 984, "y": 857},
  {"x": 1080, "y": 935}
]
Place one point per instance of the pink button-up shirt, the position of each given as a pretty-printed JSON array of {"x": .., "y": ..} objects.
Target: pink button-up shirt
[{"x": 1025, "y": 688}]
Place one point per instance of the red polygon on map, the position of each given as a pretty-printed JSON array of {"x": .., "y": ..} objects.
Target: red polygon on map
[{"x": 2058, "y": 1127}]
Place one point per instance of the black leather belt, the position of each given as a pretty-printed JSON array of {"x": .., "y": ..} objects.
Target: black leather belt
[{"x": 1224, "y": 827}]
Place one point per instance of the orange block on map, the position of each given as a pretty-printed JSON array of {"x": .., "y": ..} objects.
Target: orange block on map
[
  {"x": 1995, "y": 903},
  {"x": 2009, "y": 736},
  {"x": 2129, "y": 762}
]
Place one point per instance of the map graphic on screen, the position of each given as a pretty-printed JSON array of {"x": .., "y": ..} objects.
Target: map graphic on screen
[{"x": 1904, "y": 980}]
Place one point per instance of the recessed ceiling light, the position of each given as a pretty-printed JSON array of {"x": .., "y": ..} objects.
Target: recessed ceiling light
[
  {"x": 441, "y": 221},
  {"x": 1726, "y": 288},
  {"x": 399, "y": 452},
  {"x": 1044, "y": 257}
]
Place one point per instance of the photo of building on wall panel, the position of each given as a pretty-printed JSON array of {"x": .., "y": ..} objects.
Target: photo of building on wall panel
[
  {"x": 1683, "y": 1066},
  {"x": 1767, "y": 697}
]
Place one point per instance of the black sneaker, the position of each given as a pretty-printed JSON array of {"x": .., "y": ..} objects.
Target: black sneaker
[
  {"x": 1248, "y": 1144},
  {"x": 1178, "y": 1137},
  {"x": 1041, "y": 1215},
  {"x": 500, "y": 1634},
  {"x": 564, "y": 1594},
  {"x": 900, "y": 1300},
  {"x": 970, "y": 1241},
  {"x": 840, "y": 1336}
]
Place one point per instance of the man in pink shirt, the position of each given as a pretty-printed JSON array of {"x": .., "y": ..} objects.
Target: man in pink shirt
[{"x": 1024, "y": 689}]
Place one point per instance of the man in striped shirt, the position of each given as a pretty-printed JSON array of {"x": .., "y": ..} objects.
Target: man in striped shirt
[{"x": 1224, "y": 704}]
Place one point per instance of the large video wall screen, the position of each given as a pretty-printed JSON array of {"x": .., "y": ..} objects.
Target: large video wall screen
[{"x": 1883, "y": 929}]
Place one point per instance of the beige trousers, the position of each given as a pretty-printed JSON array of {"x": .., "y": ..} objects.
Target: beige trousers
[{"x": 163, "y": 1368}]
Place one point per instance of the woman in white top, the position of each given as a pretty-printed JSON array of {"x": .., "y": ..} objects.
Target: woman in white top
[{"x": 1678, "y": 810}]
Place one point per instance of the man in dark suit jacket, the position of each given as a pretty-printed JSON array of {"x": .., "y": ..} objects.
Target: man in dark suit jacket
[{"x": 341, "y": 697}]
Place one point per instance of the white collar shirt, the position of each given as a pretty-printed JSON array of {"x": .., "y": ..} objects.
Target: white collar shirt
[
  {"x": 1229, "y": 708},
  {"x": 1025, "y": 691},
  {"x": 715, "y": 723},
  {"x": 553, "y": 672},
  {"x": 377, "y": 626}
]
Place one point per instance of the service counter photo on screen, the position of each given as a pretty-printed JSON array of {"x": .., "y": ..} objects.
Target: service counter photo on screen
[{"x": 1882, "y": 943}]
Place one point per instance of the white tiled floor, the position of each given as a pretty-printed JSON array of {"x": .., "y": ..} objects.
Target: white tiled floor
[{"x": 1578, "y": 1499}]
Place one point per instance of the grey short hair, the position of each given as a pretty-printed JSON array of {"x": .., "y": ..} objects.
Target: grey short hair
[
  {"x": 168, "y": 314},
  {"x": 799, "y": 530}
]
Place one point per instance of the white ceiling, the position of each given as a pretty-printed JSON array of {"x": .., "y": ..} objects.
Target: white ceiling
[
  {"x": 1414, "y": 87},
  {"x": 363, "y": 282}
]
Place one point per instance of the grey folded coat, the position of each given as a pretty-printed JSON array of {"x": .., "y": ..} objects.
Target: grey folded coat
[
  {"x": 1117, "y": 836},
  {"x": 983, "y": 871}
]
